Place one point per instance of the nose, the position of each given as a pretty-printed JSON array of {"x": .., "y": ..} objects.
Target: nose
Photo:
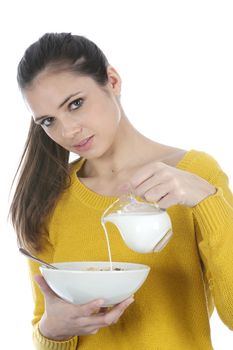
[{"x": 70, "y": 128}]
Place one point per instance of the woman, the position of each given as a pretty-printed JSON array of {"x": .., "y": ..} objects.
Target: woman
[{"x": 73, "y": 94}]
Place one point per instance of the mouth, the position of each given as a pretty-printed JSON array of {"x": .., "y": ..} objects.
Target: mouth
[{"x": 84, "y": 144}]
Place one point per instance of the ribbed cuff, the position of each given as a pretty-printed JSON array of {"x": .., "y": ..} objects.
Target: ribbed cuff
[
  {"x": 43, "y": 343},
  {"x": 214, "y": 216}
]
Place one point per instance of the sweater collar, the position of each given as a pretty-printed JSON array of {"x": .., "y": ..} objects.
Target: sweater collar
[{"x": 97, "y": 201}]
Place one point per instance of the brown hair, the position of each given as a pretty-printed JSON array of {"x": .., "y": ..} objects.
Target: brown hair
[{"x": 43, "y": 172}]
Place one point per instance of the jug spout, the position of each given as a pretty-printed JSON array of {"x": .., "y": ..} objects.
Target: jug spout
[{"x": 114, "y": 219}]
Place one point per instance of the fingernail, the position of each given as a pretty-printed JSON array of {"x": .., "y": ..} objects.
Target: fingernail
[
  {"x": 99, "y": 302},
  {"x": 130, "y": 301}
]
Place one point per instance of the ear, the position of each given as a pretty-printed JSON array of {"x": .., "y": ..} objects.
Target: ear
[{"x": 114, "y": 80}]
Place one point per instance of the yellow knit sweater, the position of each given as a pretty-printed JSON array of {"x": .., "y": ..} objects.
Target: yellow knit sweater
[{"x": 172, "y": 309}]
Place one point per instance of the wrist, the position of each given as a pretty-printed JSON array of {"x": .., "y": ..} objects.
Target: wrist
[{"x": 50, "y": 334}]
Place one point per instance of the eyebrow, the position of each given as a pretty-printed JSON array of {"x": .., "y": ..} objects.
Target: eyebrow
[{"x": 62, "y": 104}]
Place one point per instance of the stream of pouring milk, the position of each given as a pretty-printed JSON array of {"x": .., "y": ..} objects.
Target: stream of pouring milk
[{"x": 107, "y": 239}]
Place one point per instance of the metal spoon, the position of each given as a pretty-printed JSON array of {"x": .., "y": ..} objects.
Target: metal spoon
[{"x": 29, "y": 255}]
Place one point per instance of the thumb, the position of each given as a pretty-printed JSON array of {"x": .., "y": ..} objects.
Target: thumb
[
  {"x": 124, "y": 188},
  {"x": 44, "y": 287}
]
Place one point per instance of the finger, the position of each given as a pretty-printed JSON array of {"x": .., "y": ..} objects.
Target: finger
[
  {"x": 167, "y": 201},
  {"x": 113, "y": 315},
  {"x": 90, "y": 323},
  {"x": 156, "y": 193},
  {"x": 44, "y": 287},
  {"x": 91, "y": 308},
  {"x": 124, "y": 188},
  {"x": 147, "y": 185},
  {"x": 90, "y": 330},
  {"x": 110, "y": 317},
  {"x": 145, "y": 172}
]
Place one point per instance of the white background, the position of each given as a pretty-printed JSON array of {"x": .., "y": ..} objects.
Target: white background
[{"x": 175, "y": 59}]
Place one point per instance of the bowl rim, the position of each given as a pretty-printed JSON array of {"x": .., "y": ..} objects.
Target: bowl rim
[{"x": 141, "y": 267}]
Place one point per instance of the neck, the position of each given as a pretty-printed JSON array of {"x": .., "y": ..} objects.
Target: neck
[{"x": 128, "y": 149}]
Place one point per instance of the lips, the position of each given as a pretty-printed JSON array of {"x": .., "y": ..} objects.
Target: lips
[
  {"x": 84, "y": 145},
  {"x": 83, "y": 142}
]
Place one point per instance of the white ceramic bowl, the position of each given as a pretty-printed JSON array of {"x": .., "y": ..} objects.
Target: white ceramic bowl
[{"x": 74, "y": 283}]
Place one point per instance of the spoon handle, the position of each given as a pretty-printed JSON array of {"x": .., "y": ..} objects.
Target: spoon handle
[{"x": 30, "y": 256}]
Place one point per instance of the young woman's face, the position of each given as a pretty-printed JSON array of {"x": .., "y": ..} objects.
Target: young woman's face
[{"x": 75, "y": 111}]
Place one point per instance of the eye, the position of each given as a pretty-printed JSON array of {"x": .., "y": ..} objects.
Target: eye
[
  {"x": 47, "y": 122},
  {"x": 75, "y": 104}
]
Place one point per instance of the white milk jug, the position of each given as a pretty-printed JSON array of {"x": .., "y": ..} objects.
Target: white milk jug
[{"x": 143, "y": 226}]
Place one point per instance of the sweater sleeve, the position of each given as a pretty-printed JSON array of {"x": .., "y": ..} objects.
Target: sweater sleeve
[
  {"x": 40, "y": 342},
  {"x": 213, "y": 219}
]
